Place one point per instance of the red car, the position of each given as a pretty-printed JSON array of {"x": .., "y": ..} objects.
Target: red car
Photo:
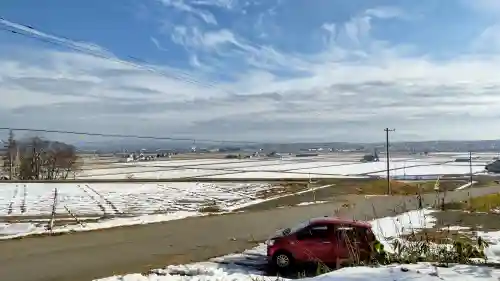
[{"x": 326, "y": 240}]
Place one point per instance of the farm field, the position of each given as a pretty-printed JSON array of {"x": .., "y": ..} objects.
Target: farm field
[
  {"x": 30, "y": 207},
  {"x": 36, "y": 199},
  {"x": 334, "y": 165}
]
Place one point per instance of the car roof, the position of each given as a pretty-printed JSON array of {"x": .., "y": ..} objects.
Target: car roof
[{"x": 336, "y": 220}]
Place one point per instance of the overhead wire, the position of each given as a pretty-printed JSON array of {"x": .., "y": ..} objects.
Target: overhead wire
[
  {"x": 62, "y": 41},
  {"x": 74, "y": 45},
  {"x": 125, "y": 135}
]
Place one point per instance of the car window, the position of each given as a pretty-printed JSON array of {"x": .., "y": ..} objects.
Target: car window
[
  {"x": 353, "y": 233},
  {"x": 319, "y": 231}
]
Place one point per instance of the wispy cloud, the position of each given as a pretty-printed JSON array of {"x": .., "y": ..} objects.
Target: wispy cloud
[
  {"x": 157, "y": 44},
  {"x": 184, "y": 7},
  {"x": 227, "y": 4},
  {"x": 483, "y": 6},
  {"x": 325, "y": 78},
  {"x": 387, "y": 12}
]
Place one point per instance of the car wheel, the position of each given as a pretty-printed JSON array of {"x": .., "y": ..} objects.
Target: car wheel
[{"x": 283, "y": 261}]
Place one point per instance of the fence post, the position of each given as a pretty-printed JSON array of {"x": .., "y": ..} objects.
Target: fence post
[{"x": 53, "y": 215}]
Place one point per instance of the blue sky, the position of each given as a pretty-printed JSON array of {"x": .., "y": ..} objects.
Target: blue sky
[{"x": 267, "y": 70}]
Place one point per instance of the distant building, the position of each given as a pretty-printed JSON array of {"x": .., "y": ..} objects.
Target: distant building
[
  {"x": 371, "y": 157},
  {"x": 466, "y": 159},
  {"x": 493, "y": 167},
  {"x": 306, "y": 154},
  {"x": 274, "y": 154}
]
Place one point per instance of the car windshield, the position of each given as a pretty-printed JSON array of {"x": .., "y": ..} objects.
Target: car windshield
[{"x": 297, "y": 227}]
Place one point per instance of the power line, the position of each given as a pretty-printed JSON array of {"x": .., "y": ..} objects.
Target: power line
[
  {"x": 123, "y": 135},
  {"x": 72, "y": 44}
]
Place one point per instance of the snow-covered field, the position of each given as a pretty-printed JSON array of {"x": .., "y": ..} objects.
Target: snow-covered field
[
  {"x": 152, "y": 202},
  {"x": 36, "y": 199},
  {"x": 290, "y": 167},
  {"x": 248, "y": 266},
  {"x": 26, "y": 208}
]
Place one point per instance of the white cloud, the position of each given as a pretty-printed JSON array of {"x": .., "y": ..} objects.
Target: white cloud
[
  {"x": 183, "y": 6},
  {"x": 386, "y": 12},
  {"x": 223, "y": 36},
  {"x": 489, "y": 40},
  {"x": 484, "y": 6},
  {"x": 357, "y": 29},
  {"x": 194, "y": 37},
  {"x": 158, "y": 44},
  {"x": 343, "y": 93},
  {"x": 228, "y": 4},
  {"x": 407, "y": 93}
]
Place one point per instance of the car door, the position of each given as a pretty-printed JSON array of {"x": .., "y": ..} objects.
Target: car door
[
  {"x": 315, "y": 243},
  {"x": 342, "y": 244},
  {"x": 351, "y": 242}
]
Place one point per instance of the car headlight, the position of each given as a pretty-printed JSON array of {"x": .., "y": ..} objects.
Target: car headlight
[{"x": 270, "y": 242}]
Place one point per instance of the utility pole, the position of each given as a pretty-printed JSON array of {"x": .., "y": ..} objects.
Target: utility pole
[
  {"x": 470, "y": 168},
  {"x": 387, "y": 130}
]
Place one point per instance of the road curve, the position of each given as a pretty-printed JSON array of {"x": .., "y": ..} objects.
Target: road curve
[{"x": 87, "y": 255}]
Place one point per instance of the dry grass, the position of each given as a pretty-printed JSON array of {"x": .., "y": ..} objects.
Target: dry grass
[
  {"x": 474, "y": 214},
  {"x": 487, "y": 203},
  {"x": 379, "y": 186},
  {"x": 281, "y": 189},
  {"x": 440, "y": 236}
]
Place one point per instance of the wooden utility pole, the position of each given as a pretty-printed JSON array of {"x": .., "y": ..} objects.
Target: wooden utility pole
[
  {"x": 470, "y": 168},
  {"x": 387, "y": 130}
]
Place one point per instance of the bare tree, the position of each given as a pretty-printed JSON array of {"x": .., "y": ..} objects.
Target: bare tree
[
  {"x": 9, "y": 156},
  {"x": 41, "y": 159}
]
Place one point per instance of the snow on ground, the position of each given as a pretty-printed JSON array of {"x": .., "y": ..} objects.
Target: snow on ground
[
  {"x": 274, "y": 175},
  {"x": 390, "y": 227},
  {"x": 123, "y": 203},
  {"x": 467, "y": 185},
  {"x": 444, "y": 169},
  {"x": 14, "y": 230},
  {"x": 36, "y": 199},
  {"x": 361, "y": 168},
  {"x": 249, "y": 265},
  {"x": 493, "y": 251},
  {"x": 311, "y": 203},
  {"x": 412, "y": 272},
  {"x": 127, "y": 203},
  {"x": 335, "y": 165}
]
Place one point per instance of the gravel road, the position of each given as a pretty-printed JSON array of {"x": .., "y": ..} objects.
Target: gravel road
[{"x": 87, "y": 255}]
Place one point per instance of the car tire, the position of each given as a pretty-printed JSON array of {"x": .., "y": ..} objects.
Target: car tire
[{"x": 283, "y": 262}]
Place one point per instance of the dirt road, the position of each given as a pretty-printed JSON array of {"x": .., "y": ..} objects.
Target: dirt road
[{"x": 87, "y": 255}]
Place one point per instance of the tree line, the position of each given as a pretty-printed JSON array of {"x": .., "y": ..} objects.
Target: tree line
[{"x": 38, "y": 159}]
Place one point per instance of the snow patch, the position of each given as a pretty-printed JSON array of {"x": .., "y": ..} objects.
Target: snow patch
[{"x": 15, "y": 230}]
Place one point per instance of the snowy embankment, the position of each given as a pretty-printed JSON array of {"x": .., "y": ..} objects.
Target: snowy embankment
[
  {"x": 412, "y": 272},
  {"x": 16, "y": 230},
  {"x": 248, "y": 266}
]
